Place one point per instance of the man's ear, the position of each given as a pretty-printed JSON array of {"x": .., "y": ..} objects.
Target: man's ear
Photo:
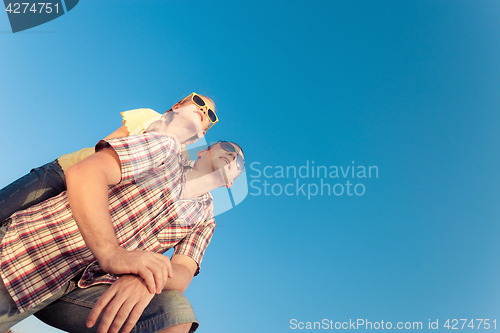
[{"x": 201, "y": 153}]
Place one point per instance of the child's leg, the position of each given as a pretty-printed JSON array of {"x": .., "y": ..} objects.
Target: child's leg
[{"x": 39, "y": 185}]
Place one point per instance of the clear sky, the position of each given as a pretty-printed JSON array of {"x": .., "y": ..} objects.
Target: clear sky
[{"x": 409, "y": 88}]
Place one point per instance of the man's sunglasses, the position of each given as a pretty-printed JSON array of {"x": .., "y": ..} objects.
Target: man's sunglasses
[
  {"x": 240, "y": 163},
  {"x": 198, "y": 101}
]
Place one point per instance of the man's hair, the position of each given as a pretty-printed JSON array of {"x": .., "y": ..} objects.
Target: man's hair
[
  {"x": 241, "y": 149},
  {"x": 233, "y": 143}
]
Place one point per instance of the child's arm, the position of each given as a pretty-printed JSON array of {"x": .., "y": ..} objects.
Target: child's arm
[{"x": 121, "y": 132}]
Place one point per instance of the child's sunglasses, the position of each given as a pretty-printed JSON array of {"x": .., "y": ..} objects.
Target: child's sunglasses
[
  {"x": 240, "y": 163},
  {"x": 198, "y": 101}
]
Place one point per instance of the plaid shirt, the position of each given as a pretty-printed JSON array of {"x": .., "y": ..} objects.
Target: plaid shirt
[{"x": 43, "y": 248}]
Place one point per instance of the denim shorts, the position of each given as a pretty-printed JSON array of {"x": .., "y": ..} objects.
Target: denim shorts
[{"x": 165, "y": 310}]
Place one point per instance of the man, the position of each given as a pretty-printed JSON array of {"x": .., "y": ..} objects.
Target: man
[
  {"x": 217, "y": 166},
  {"x": 20, "y": 243}
]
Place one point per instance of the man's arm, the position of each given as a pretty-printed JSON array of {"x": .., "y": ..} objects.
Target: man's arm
[
  {"x": 87, "y": 183},
  {"x": 128, "y": 297},
  {"x": 185, "y": 268}
]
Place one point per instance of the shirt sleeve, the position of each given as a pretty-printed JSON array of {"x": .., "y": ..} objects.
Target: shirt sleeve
[
  {"x": 136, "y": 120},
  {"x": 195, "y": 244},
  {"x": 142, "y": 155}
]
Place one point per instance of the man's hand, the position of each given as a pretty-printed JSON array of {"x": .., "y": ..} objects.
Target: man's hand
[
  {"x": 153, "y": 268},
  {"x": 128, "y": 295}
]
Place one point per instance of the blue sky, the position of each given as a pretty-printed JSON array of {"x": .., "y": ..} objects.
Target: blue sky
[{"x": 410, "y": 87}]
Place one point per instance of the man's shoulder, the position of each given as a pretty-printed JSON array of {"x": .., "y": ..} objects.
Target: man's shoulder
[{"x": 138, "y": 153}]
